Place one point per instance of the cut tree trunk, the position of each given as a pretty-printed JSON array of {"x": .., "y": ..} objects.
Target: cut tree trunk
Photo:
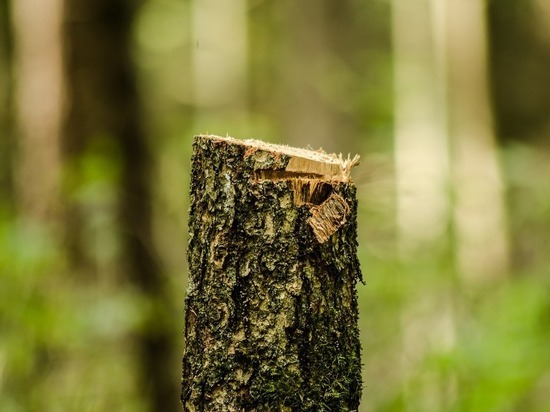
[{"x": 271, "y": 310}]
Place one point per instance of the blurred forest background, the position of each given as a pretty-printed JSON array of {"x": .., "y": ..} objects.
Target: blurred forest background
[{"x": 447, "y": 101}]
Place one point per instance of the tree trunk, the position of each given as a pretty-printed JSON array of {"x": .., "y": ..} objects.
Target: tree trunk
[
  {"x": 38, "y": 95},
  {"x": 480, "y": 216},
  {"x": 421, "y": 142},
  {"x": 7, "y": 141},
  {"x": 271, "y": 310},
  {"x": 105, "y": 119}
]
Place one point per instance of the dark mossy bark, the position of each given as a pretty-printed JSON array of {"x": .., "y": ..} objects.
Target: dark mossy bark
[{"x": 271, "y": 312}]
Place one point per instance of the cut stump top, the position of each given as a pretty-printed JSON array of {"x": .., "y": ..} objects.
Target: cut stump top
[{"x": 304, "y": 163}]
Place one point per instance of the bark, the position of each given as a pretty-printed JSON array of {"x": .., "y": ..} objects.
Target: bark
[{"x": 271, "y": 310}]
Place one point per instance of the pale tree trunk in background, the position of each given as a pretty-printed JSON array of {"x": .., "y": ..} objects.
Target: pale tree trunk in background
[
  {"x": 479, "y": 210},
  {"x": 421, "y": 32},
  {"x": 421, "y": 147},
  {"x": 542, "y": 11},
  {"x": 442, "y": 107},
  {"x": 422, "y": 173},
  {"x": 38, "y": 106},
  {"x": 219, "y": 44}
]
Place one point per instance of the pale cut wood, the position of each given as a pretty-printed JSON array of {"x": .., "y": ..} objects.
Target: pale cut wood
[{"x": 325, "y": 166}]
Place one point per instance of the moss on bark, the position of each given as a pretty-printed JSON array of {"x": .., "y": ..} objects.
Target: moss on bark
[{"x": 271, "y": 312}]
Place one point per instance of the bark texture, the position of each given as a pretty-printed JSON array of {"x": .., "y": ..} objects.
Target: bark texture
[{"x": 271, "y": 310}]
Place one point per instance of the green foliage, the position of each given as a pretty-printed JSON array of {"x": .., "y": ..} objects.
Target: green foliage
[
  {"x": 60, "y": 338},
  {"x": 67, "y": 339}
]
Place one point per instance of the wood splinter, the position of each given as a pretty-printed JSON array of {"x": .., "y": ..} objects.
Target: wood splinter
[
  {"x": 328, "y": 217},
  {"x": 309, "y": 173}
]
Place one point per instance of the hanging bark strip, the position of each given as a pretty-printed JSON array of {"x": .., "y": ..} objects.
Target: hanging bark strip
[{"x": 271, "y": 309}]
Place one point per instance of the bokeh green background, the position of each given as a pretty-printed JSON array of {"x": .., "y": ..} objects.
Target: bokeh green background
[{"x": 307, "y": 73}]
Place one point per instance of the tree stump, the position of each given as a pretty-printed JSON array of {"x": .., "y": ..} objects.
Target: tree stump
[{"x": 271, "y": 309}]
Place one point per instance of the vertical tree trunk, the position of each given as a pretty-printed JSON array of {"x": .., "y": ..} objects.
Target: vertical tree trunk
[
  {"x": 421, "y": 148},
  {"x": 271, "y": 310},
  {"x": 479, "y": 212},
  {"x": 219, "y": 64},
  {"x": 37, "y": 97},
  {"x": 422, "y": 169},
  {"x": 6, "y": 98},
  {"x": 105, "y": 112}
]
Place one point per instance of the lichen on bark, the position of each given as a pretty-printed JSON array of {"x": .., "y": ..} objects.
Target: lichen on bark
[{"x": 271, "y": 309}]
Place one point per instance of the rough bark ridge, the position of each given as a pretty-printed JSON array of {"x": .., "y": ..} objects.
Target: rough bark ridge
[{"x": 271, "y": 310}]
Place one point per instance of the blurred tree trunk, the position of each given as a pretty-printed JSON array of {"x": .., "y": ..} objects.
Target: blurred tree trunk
[
  {"x": 519, "y": 70},
  {"x": 440, "y": 51},
  {"x": 271, "y": 310},
  {"x": 444, "y": 133},
  {"x": 421, "y": 144},
  {"x": 38, "y": 107},
  {"x": 520, "y": 63},
  {"x": 423, "y": 211},
  {"x": 479, "y": 209},
  {"x": 105, "y": 111},
  {"x": 6, "y": 102},
  {"x": 220, "y": 51}
]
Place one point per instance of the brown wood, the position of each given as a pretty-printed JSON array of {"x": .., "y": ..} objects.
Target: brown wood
[{"x": 271, "y": 310}]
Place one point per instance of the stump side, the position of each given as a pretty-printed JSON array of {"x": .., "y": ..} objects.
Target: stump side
[{"x": 271, "y": 309}]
